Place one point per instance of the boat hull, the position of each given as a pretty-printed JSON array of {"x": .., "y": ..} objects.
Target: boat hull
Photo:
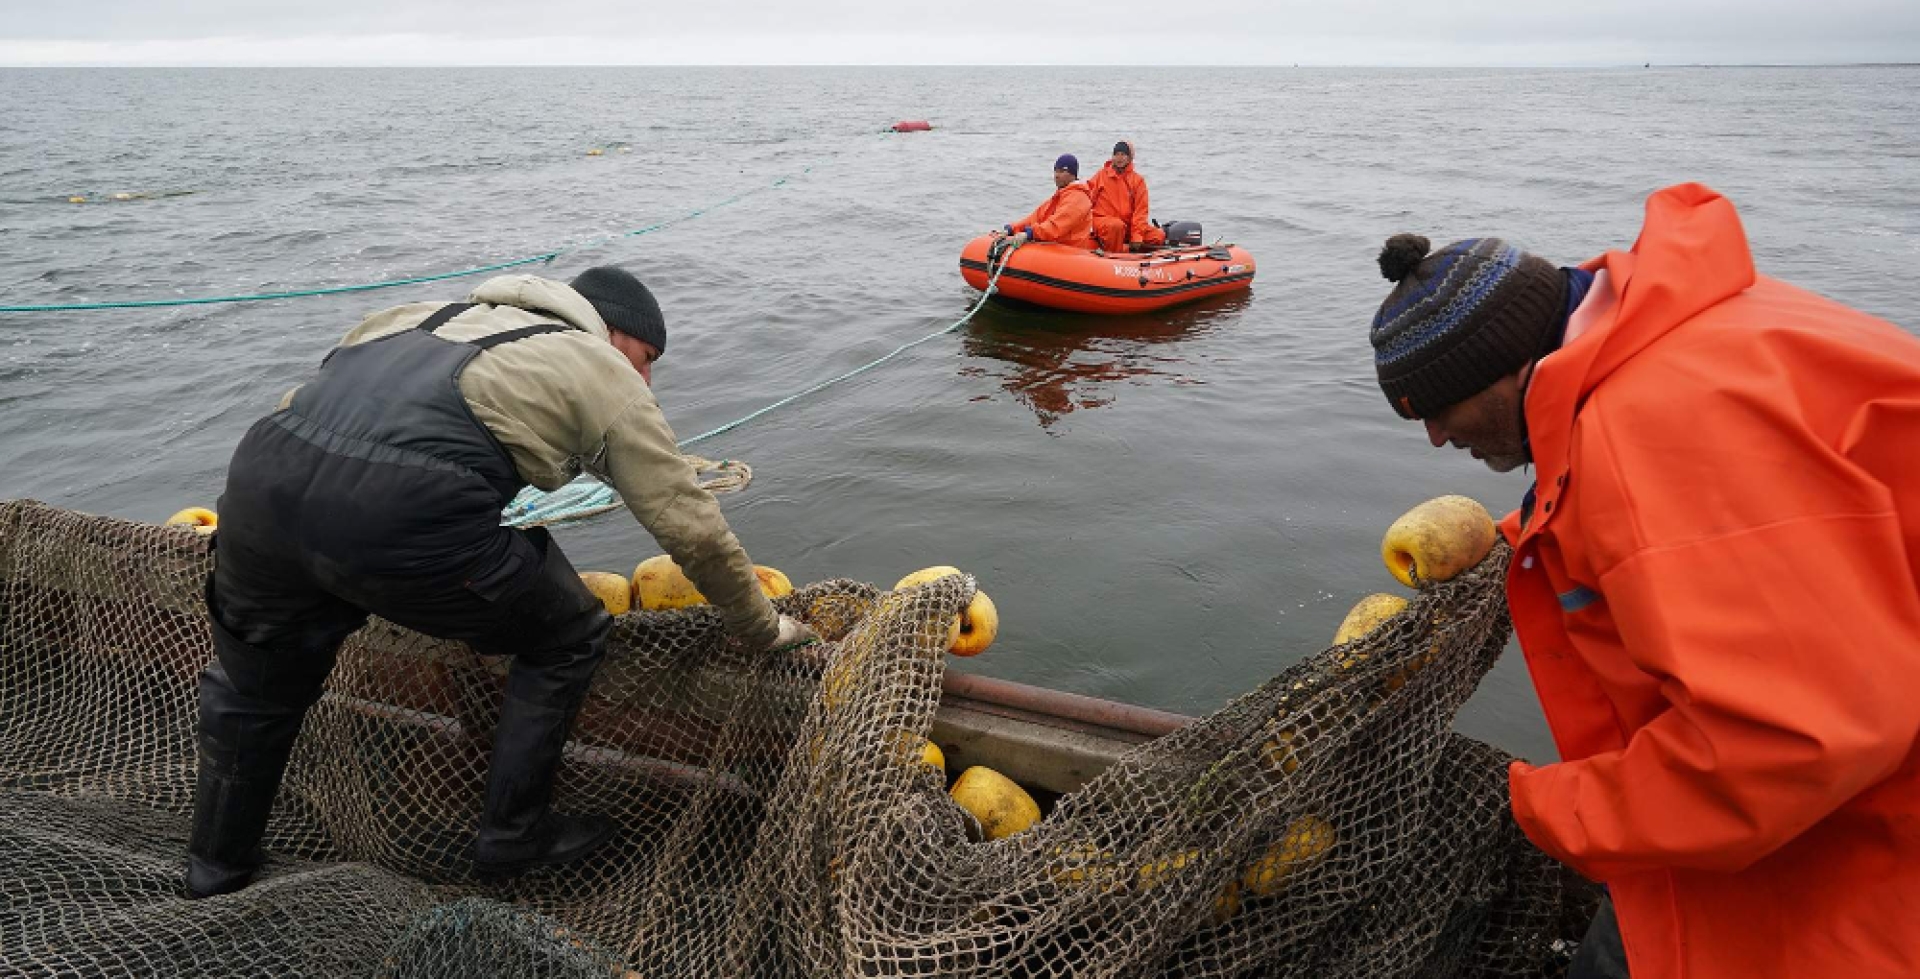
[{"x": 1082, "y": 281}]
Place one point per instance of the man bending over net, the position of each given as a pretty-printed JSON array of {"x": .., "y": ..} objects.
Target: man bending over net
[{"x": 376, "y": 489}]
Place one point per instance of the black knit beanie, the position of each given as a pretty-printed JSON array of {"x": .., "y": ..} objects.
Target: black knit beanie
[
  {"x": 1459, "y": 320},
  {"x": 624, "y": 303}
]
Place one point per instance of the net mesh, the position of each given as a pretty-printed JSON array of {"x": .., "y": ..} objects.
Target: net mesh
[{"x": 774, "y": 818}]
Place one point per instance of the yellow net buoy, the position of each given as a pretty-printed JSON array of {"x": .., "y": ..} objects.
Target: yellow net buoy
[
  {"x": 910, "y": 747},
  {"x": 1437, "y": 540},
  {"x": 1366, "y": 615},
  {"x": 1156, "y": 872},
  {"x": 1282, "y": 751},
  {"x": 1308, "y": 839},
  {"x": 772, "y": 583},
  {"x": 76, "y": 199},
  {"x": 1002, "y": 807},
  {"x": 613, "y": 591},
  {"x": 1227, "y": 903},
  {"x": 658, "y": 584},
  {"x": 1084, "y": 864},
  {"x": 840, "y": 682},
  {"x": 977, "y": 625},
  {"x": 596, "y": 151},
  {"x": 200, "y": 519}
]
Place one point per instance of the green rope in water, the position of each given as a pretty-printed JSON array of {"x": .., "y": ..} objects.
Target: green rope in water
[
  {"x": 391, "y": 283},
  {"x": 993, "y": 282},
  {"x": 587, "y": 497}
]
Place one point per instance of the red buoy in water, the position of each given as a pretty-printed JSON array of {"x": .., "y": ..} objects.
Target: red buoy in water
[{"x": 912, "y": 126}]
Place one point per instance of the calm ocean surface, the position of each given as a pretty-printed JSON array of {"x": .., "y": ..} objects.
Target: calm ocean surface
[{"x": 1168, "y": 509}]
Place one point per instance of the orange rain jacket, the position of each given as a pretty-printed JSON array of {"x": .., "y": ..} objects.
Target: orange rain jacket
[
  {"x": 1062, "y": 218},
  {"x": 1120, "y": 213},
  {"x": 1715, "y": 588}
]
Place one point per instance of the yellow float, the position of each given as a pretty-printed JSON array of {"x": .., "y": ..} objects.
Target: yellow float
[
  {"x": 1084, "y": 863},
  {"x": 1308, "y": 839},
  {"x": 1404, "y": 675},
  {"x": 1227, "y": 903},
  {"x": 613, "y": 590},
  {"x": 910, "y": 747},
  {"x": 1000, "y": 805},
  {"x": 932, "y": 757},
  {"x": 836, "y": 684},
  {"x": 1437, "y": 540},
  {"x": 773, "y": 584},
  {"x": 975, "y": 628},
  {"x": 659, "y": 584},
  {"x": 1367, "y": 615},
  {"x": 1154, "y": 873},
  {"x": 1281, "y": 751},
  {"x": 200, "y": 519}
]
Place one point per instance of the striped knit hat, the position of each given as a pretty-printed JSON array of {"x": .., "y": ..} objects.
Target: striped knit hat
[{"x": 1459, "y": 320}]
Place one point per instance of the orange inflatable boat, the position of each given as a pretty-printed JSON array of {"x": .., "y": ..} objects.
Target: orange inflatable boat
[{"x": 1084, "y": 281}]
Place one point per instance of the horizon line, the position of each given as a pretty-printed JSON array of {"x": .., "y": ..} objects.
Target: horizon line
[{"x": 1090, "y": 67}]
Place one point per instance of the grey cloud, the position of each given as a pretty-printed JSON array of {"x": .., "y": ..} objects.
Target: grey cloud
[{"x": 1765, "y": 29}]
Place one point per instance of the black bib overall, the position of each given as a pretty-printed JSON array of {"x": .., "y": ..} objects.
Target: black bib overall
[{"x": 378, "y": 492}]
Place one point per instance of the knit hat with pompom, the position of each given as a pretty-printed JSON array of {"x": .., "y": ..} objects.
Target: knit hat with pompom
[{"x": 1459, "y": 319}]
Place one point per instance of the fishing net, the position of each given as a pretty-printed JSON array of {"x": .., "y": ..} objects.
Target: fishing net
[{"x": 774, "y": 817}]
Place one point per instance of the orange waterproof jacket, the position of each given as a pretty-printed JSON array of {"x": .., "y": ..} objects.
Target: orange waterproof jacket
[
  {"x": 1066, "y": 218},
  {"x": 1122, "y": 196},
  {"x": 1715, "y": 588}
]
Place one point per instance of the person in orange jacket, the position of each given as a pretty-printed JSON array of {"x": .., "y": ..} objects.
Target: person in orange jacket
[
  {"x": 1119, "y": 196},
  {"x": 1713, "y": 581},
  {"x": 1062, "y": 218}
]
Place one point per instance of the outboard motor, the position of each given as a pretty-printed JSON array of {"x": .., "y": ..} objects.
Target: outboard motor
[{"x": 1182, "y": 233}]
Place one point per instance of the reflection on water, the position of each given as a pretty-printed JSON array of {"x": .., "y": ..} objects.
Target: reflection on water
[{"x": 1056, "y": 363}]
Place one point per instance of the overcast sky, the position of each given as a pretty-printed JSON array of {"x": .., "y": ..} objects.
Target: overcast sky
[{"x": 1103, "y": 32}]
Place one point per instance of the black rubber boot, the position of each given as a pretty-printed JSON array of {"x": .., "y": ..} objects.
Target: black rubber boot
[
  {"x": 252, "y": 703},
  {"x": 244, "y": 747},
  {"x": 558, "y": 839},
  {"x": 229, "y": 818},
  {"x": 518, "y": 832}
]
